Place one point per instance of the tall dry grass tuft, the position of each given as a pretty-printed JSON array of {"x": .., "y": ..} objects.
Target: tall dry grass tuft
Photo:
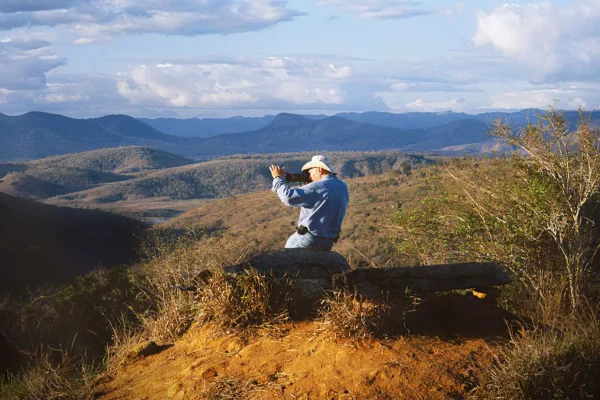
[
  {"x": 251, "y": 299},
  {"x": 172, "y": 264},
  {"x": 351, "y": 316},
  {"x": 52, "y": 376},
  {"x": 551, "y": 361},
  {"x": 125, "y": 338}
]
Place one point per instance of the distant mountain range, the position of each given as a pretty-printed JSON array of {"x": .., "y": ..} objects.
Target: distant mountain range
[
  {"x": 206, "y": 127},
  {"x": 36, "y": 135}
]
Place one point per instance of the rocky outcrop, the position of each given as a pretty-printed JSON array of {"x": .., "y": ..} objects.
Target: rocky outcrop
[
  {"x": 377, "y": 282},
  {"x": 313, "y": 273}
]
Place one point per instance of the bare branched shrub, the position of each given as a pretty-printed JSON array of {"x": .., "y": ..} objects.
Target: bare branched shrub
[
  {"x": 251, "y": 299},
  {"x": 535, "y": 213},
  {"x": 571, "y": 165},
  {"x": 351, "y": 316},
  {"x": 548, "y": 362}
]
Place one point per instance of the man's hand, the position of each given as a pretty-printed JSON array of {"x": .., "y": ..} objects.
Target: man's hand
[{"x": 276, "y": 171}]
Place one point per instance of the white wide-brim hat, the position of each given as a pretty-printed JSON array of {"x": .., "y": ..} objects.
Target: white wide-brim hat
[{"x": 319, "y": 162}]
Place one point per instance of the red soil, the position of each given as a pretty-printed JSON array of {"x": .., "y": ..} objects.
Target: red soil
[{"x": 307, "y": 362}]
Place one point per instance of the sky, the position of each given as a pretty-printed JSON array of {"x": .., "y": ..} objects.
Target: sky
[{"x": 221, "y": 58}]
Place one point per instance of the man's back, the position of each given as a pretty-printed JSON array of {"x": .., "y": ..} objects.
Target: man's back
[
  {"x": 324, "y": 217},
  {"x": 323, "y": 204}
]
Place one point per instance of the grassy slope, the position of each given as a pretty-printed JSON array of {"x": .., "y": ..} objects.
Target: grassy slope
[
  {"x": 57, "y": 175},
  {"x": 232, "y": 176},
  {"x": 41, "y": 243},
  {"x": 374, "y": 201}
]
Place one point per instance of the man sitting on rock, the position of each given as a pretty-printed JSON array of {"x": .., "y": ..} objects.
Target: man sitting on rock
[{"x": 323, "y": 204}]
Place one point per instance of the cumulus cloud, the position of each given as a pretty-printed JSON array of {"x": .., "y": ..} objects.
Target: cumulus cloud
[
  {"x": 554, "y": 43},
  {"x": 380, "y": 9},
  {"x": 420, "y": 105},
  {"x": 9, "y": 44},
  {"x": 105, "y": 18},
  {"x": 540, "y": 98},
  {"x": 24, "y": 64},
  {"x": 248, "y": 83},
  {"x": 431, "y": 86}
]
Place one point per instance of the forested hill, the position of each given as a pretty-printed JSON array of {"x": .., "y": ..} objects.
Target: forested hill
[{"x": 36, "y": 135}]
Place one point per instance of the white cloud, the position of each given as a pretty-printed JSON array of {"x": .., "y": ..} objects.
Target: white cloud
[
  {"x": 251, "y": 83},
  {"x": 424, "y": 106},
  {"x": 380, "y": 9},
  {"x": 24, "y": 63},
  {"x": 424, "y": 86},
  {"x": 554, "y": 43},
  {"x": 83, "y": 41},
  {"x": 94, "y": 19},
  {"x": 541, "y": 98},
  {"x": 60, "y": 98}
]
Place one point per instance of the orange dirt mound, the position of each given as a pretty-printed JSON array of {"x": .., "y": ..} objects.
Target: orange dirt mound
[{"x": 307, "y": 362}]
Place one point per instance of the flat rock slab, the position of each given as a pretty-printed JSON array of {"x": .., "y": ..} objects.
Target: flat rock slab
[
  {"x": 313, "y": 273},
  {"x": 377, "y": 282},
  {"x": 295, "y": 263}
]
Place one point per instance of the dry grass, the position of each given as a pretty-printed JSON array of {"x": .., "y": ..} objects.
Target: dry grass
[
  {"x": 51, "y": 376},
  {"x": 352, "y": 316},
  {"x": 559, "y": 361},
  {"x": 227, "y": 388},
  {"x": 125, "y": 339},
  {"x": 251, "y": 299},
  {"x": 173, "y": 263}
]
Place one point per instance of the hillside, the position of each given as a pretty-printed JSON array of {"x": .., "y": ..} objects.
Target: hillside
[
  {"x": 232, "y": 176},
  {"x": 36, "y": 135},
  {"x": 41, "y": 243},
  {"x": 303, "y": 362},
  {"x": 206, "y": 127},
  {"x": 289, "y": 132},
  {"x": 120, "y": 160},
  {"x": 74, "y": 172}
]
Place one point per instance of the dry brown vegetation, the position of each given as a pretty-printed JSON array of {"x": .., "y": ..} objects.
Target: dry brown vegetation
[
  {"x": 234, "y": 303},
  {"x": 353, "y": 317},
  {"x": 535, "y": 214}
]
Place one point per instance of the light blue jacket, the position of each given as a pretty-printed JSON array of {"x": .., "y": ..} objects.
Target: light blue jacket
[{"x": 323, "y": 204}]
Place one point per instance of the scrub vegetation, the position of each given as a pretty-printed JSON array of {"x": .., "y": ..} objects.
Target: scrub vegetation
[{"x": 534, "y": 210}]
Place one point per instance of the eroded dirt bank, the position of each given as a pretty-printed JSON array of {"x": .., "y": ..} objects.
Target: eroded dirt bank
[{"x": 304, "y": 361}]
